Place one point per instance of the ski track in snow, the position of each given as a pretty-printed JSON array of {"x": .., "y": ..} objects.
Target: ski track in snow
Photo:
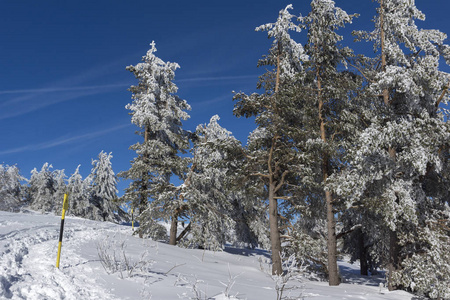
[{"x": 28, "y": 258}]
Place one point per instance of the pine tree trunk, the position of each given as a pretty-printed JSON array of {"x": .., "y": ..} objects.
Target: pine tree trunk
[
  {"x": 394, "y": 247},
  {"x": 331, "y": 222},
  {"x": 173, "y": 230},
  {"x": 383, "y": 52},
  {"x": 277, "y": 79},
  {"x": 393, "y": 259},
  {"x": 141, "y": 209},
  {"x": 277, "y": 268},
  {"x": 333, "y": 273},
  {"x": 393, "y": 241},
  {"x": 364, "y": 267},
  {"x": 143, "y": 198},
  {"x": 275, "y": 243}
]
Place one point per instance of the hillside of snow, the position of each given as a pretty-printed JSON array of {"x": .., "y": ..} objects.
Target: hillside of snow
[{"x": 101, "y": 260}]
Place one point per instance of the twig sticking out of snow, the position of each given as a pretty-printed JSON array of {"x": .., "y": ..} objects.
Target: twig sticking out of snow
[
  {"x": 229, "y": 285},
  {"x": 293, "y": 271},
  {"x": 193, "y": 285},
  {"x": 176, "y": 266}
]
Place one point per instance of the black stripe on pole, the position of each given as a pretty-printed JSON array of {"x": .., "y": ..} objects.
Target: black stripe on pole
[{"x": 61, "y": 230}]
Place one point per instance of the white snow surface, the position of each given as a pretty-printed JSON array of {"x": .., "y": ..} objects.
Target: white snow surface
[{"x": 29, "y": 244}]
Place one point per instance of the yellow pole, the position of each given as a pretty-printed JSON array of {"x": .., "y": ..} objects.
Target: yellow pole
[
  {"x": 65, "y": 207},
  {"x": 132, "y": 220}
]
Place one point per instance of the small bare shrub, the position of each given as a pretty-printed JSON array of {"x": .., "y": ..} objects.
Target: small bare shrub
[
  {"x": 114, "y": 259},
  {"x": 293, "y": 271}
]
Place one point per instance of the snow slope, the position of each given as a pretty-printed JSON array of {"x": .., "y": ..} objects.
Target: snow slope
[{"x": 28, "y": 248}]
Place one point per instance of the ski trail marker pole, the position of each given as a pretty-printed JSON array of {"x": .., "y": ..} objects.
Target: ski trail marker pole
[
  {"x": 132, "y": 220},
  {"x": 65, "y": 207}
]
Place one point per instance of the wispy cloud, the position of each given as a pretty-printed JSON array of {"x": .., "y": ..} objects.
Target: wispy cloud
[
  {"x": 218, "y": 78},
  {"x": 224, "y": 97},
  {"x": 16, "y": 102},
  {"x": 63, "y": 140},
  {"x": 35, "y": 99},
  {"x": 63, "y": 89}
]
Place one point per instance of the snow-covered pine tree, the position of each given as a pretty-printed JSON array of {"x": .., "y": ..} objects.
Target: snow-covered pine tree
[
  {"x": 325, "y": 92},
  {"x": 41, "y": 189},
  {"x": 272, "y": 155},
  {"x": 398, "y": 162},
  {"x": 158, "y": 112},
  {"x": 11, "y": 194},
  {"x": 104, "y": 190}
]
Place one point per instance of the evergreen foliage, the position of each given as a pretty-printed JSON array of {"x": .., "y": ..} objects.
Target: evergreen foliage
[
  {"x": 300, "y": 130},
  {"x": 79, "y": 194},
  {"x": 158, "y": 112},
  {"x": 345, "y": 147},
  {"x": 272, "y": 153},
  {"x": 327, "y": 93},
  {"x": 398, "y": 161},
  {"x": 42, "y": 187},
  {"x": 11, "y": 189},
  {"x": 103, "y": 191},
  {"x": 210, "y": 206}
]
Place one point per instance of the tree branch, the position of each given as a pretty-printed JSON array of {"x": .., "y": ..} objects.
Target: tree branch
[
  {"x": 269, "y": 160},
  {"x": 341, "y": 234},
  {"x": 184, "y": 232},
  {"x": 283, "y": 198},
  {"x": 280, "y": 184},
  {"x": 260, "y": 174},
  {"x": 360, "y": 71},
  {"x": 441, "y": 96}
]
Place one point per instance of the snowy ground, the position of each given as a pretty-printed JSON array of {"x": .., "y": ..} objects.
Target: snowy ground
[{"x": 28, "y": 248}]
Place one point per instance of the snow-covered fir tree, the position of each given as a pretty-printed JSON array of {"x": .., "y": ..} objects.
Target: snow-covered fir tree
[
  {"x": 158, "y": 112},
  {"x": 104, "y": 190},
  {"x": 11, "y": 190},
  {"x": 398, "y": 162},
  {"x": 46, "y": 189},
  {"x": 79, "y": 194},
  {"x": 207, "y": 193},
  {"x": 41, "y": 189},
  {"x": 60, "y": 188}
]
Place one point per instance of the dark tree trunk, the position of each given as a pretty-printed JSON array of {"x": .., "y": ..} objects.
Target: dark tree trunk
[
  {"x": 363, "y": 255},
  {"x": 393, "y": 258},
  {"x": 333, "y": 274},
  {"x": 141, "y": 209},
  {"x": 144, "y": 187},
  {"x": 173, "y": 230},
  {"x": 383, "y": 51},
  {"x": 277, "y": 268}
]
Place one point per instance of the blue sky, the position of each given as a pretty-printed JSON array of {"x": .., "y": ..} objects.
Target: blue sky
[{"x": 63, "y": 83}]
